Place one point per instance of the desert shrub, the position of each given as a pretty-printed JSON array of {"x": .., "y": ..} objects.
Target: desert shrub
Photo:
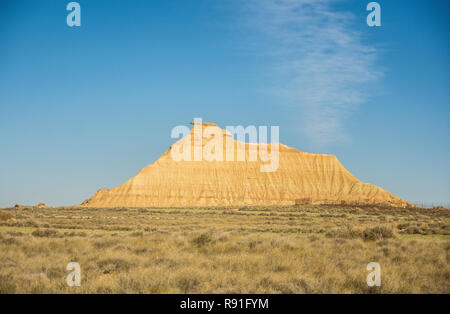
[
  {"x": 267, "y": 283},
  {"x": 103, "y": 244},
  {"x": 15, "y": 233},
  {"x": 140, "y": 251},
  {"x": 369, "y": 234},
  {"x": 47, "y": 233},
  {"x": 253, "y": 244},
  {"x": 347, "y": 233},
  {"x": 188, "y": 283},
  {"x": 137, "y": 234},
  {"x": 397, "y": 259},
  {"x": 75, "y": 234},
  {"x": 202, "y": 240},
  {"x": 5, "y": 216},
  {"x": 289, "y": 286},
  {"x": 11, "y": 240},
  {"x": 402, "y": 226},
  {"x": 385, "y": 251},
  {"x": 377, "y": 233},
  {"x": 131, "y": 285},
  {"x": 356, "y": 285},
  {"x": 55, "y": 272},
  {"x": 7, "y": 285},
  {"x": 31, "y": 223},
  {"x": 302, "y": 285},
  {"x": 445, "y": 229},
  {"x": 413, "y": 230},
  {"x": 110, "y": 265},
  {"x": 120, "y": 229},
  {"x": 313, "y": 238},
  {"x": 121, "y": 209},
  {"x": 104, "y": 290}
]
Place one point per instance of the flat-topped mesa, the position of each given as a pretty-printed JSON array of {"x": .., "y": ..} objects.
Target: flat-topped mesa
[{"x": 300, "y": 177}]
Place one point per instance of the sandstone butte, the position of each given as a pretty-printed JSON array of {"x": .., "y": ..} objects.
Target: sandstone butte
[{"x": 300, "y": 178}]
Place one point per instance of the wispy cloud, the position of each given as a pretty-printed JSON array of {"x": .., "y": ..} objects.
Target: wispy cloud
[{"x": 321, "y": 64}]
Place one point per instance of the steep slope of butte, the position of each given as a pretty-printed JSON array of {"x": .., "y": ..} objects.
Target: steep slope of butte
[{"x": 315, "y": 178}]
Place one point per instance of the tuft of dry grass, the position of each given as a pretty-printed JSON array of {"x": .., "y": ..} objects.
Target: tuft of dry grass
[
  {"x": 5, "y": 216},
  {"x": 202, "y": 240}
]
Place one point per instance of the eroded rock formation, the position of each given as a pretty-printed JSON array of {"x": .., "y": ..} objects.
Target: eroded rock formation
[{"x": 300, "y": 178}]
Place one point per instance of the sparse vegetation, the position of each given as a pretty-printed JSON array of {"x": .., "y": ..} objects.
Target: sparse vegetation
[
  {"x": 44, "y": 233},
  {"x": 5, "y": 216},
  {"x": 202, "y": 240},
  {"x": 297, "y": 249}
]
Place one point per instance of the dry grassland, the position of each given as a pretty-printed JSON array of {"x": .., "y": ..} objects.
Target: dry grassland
[{"x": 298, "y": 249}]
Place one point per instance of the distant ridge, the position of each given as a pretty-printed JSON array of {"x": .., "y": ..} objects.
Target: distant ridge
[{"x": 300, "y": 178}]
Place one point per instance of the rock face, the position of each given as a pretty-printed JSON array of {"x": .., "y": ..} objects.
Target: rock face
[{"x": 301, "y": 178}]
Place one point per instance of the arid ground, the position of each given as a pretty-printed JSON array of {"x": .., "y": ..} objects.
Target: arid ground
[{"x": 297, "y": 249}]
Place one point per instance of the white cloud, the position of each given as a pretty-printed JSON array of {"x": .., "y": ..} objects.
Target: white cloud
[{"x": 322, "y": 66}]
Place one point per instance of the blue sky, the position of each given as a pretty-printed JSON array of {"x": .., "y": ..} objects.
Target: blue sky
[{"x": 85, "y": 108}]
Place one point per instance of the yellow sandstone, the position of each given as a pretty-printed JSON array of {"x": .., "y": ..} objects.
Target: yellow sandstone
[{"x": 301, "y": 178}]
